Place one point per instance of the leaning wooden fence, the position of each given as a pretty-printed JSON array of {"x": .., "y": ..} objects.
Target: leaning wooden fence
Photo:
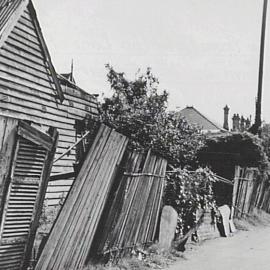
[
  {"x": 134, "y": 212},
  {"x": 71, "y": 237},
  {"x": 251, "y": 190}
]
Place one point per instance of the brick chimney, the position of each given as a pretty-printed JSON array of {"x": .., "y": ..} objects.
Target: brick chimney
[
  {"x": 236, "y": 124},
  {"x": 242, "y": 124},
  {"x": 226, "y": 117}
]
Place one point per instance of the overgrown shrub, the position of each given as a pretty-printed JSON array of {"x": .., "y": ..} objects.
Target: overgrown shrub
[
  {"x": 137, "y": 110},
  {"x": 188, "y": 192},
  {"x": 266, "y": 139},
  {"x": 248, "y": 148}
]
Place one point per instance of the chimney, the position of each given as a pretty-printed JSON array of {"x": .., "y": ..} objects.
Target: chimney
[
  {"x": 242, "y": 124},
  {"x": 236, "y": 123},
  {"x": 226, "y": 117}
]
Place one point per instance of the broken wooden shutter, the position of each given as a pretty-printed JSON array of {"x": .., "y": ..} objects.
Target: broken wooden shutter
[{"x": 24, "y": 195}]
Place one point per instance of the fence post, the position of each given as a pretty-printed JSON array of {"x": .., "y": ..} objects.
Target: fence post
[{"x": 235, "y": 188}]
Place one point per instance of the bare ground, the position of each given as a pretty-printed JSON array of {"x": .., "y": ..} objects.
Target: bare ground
[{"x": 246, "y": 250}]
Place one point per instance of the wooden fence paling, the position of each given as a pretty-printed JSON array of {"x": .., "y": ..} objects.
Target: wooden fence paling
[
  {"x": 158, "y": 202},
  {"x": 134, "y": 184},
  {"x": 154, "y": 204},
  {"x": 54, "y": 237},
  {"x": 248, "y": 191},
  {"x": 96, "y": 222},
  {"x": 147, "y": 215},
  {"x": 266, "y": 194},
  {"x": 242, "y": 193},
  {"x": 79, "y": 216},
  {"x": 108, "y": 148},
  {"x": 70, "y": 239},
  {"x": 132, "y": 164},
  {"x": 251, "y": 190},
  {"x": 139, "y": 203},
  {"x": 137, "y": 221},
  {"x": 235, "y": 189},
  {"x": 144, "y": 189},
  {"x": 260, "y": 194},
  {"x": 253, "y": 197},
  {"x": 116, "y": 234},
  {"x": 82, "y": 248},
  {"x": 92, "y": 227},
  {"x": 145, "y": 229}
]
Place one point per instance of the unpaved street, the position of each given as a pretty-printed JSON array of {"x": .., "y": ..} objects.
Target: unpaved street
[{"x": 246, "y": 250}]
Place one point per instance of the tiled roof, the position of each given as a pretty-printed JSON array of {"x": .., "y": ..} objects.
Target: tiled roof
[{"x": 193, "y": 116}]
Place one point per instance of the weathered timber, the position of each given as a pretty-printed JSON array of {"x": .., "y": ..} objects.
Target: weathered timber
[
  {"x": 30, "y": 88},
  {"x": 7, "y": 140},
  {"x": 24, "y": 186},
  {"x": 71, "y": 237},
  {"x": 135, "y": 209},
  {"x": 251, "y": 191},
  {"x": 131, "y": 164}
]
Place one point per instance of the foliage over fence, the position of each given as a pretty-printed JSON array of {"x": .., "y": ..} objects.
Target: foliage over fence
[
  {"x": 137, "y": 110},
  {"x": 188, "y": 192},
  {"x": 249, "y": 148},
  {"x": 266, "y": 139}
]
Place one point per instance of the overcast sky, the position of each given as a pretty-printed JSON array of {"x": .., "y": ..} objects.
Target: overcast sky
[{"x": 204, "y": 52}]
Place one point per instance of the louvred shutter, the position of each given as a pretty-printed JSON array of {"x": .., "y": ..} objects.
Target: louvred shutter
[{"x": 25, "y": 191}]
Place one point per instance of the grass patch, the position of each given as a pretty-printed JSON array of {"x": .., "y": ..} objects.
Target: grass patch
[
  {"x": 152, "y": 258},
  {"x": 259, "y": 218}
]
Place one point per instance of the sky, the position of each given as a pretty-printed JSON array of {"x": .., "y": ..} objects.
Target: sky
[{"x": 204, "y": 52}]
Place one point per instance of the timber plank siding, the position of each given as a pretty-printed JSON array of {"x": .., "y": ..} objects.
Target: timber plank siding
[{"x": 28, "y": 89}]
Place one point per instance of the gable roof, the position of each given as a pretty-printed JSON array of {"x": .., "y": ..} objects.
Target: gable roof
[
  {"x": 10, "y": 13},
  {"x": 193, "y": 116}
]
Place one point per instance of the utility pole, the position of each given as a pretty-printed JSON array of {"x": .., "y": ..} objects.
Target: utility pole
[{"x": 255, "y": 129}]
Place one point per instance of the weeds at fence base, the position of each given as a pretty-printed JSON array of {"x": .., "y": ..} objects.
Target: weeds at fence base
[
  {"x": 153, "y": 258},
  {"x": 258, "y": 219}
]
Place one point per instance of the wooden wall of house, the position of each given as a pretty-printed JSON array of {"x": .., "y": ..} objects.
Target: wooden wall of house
[
  {"x": 27, "y": 92},
  {"x": 7, "y": 137}
]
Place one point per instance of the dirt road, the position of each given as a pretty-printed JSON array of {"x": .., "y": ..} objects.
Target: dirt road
[{"x": 246, "y": 250}]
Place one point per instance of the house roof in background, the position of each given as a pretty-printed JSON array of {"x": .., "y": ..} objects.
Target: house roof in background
[{"x": 193, "y": 116}]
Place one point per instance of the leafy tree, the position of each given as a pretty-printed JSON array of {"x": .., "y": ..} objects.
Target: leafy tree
[{"x": 139, "y": 111}]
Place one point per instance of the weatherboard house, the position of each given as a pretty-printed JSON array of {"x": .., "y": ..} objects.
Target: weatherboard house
[{"x": 31, "y": 90}]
